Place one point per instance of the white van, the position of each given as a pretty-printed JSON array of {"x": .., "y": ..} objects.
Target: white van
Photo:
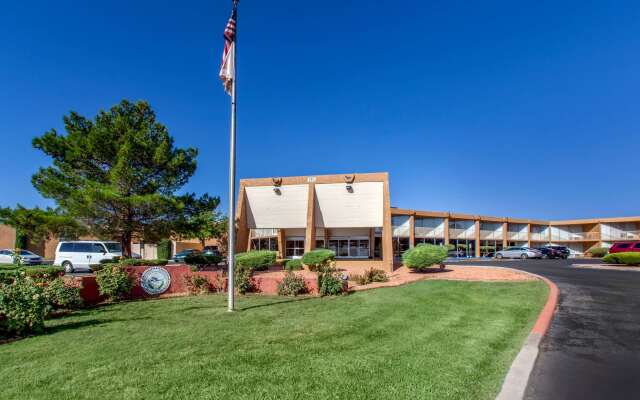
[{"x": 81, "y": 255}]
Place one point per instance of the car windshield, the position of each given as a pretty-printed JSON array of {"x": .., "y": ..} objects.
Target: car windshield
[{"x": 113, "y": 247}]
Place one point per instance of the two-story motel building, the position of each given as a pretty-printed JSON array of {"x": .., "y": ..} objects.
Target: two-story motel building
[{"x": 352, "y": 215}]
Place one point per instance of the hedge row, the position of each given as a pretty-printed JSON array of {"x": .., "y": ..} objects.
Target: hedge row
[{"x": 623, "y": 258}]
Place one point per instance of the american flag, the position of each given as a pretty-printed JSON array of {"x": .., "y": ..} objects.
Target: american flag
[{"x": 227, "y": 70}]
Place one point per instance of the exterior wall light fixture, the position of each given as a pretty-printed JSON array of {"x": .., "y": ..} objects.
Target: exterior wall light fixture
[{"x": 349, "y": 188}]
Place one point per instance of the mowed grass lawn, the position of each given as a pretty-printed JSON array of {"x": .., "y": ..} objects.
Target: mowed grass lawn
[{"x": 430, "y": 339}]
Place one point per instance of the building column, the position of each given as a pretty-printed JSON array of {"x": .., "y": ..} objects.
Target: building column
[
  {"x": 412, "y": 230},
  {"x": 282, "y": 243},
  {"x": 446, "y": 231},
  {"x": 242, "y": 231},
  {"x": 310, "y": 232},
  {"x": 387, "y": 229},
  {"x": 372, "y": 242},
  {"x": 505, "y": 235},
  {"x": 477, "y": 238},
  {"x": 528, "y": 235}
]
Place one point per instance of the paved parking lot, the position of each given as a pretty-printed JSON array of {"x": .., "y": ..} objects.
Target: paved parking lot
[{"x": 592, "y": 350}]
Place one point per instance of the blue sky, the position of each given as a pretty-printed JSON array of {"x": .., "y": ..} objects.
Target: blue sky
[{"x": 498, "y": 108}]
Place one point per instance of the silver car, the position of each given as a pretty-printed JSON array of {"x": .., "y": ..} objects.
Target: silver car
[
  {"x": 26, "y": 257},
  {"x": 522, "y": 252}
]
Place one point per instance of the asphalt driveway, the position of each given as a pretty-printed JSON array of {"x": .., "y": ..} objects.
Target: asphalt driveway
[{"x": 592, "y": 349}]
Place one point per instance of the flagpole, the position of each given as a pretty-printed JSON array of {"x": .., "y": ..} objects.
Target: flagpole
[{"x": 232, "y": 180}]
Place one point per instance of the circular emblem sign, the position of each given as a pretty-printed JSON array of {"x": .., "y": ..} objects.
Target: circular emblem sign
[{"x": 155, "y": 280}]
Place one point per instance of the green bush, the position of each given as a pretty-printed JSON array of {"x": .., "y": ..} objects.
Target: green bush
[
  {"x": 134, "y": 262},
  {"x": 202, "y": 259},
  {"x": 259, "y": 260},
  {"x": 114, "y": 282},
  {"x": 371, "y": 275},
  {"x": 293, "y": 265},
  {"x": 424, "y": 256},
  {"x": 39, "y": 273},
  {"x": 22, "y": 240},
  {"x": 197, "y": 284},
  {"x": 62, "y": 294},
  {"x": 598, "y": 251},
  {"x": 629, "y": 258},
  {"x": 330, "y": 282},
  {"x": 164, "y": 249},
  {"x": 318, "y": 259},
  {"x": 291, "y": 285},
  {"x": 23, "y": 306},
  {"x": 244, "y": 280}
]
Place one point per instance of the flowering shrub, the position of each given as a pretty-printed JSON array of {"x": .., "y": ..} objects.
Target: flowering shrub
[
  {"x": 114, "y": 282},
  {"x": 330, "y": 282},
  {"x": 23, "y": 306},
  {"x": 291, "y": 285},
  {"x": 62, "y": 294},
  {"x": 244, "y": 280},
  {"x": 197, "y": 284}
]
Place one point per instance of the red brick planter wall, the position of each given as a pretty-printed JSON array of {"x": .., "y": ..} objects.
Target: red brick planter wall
[{"x": 265, "y": 282}]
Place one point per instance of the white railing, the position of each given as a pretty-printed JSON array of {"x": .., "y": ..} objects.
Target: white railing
[
  {"x": 518, "y": 236},
  {"x": 622, "y": 235},
  {"x": 575, "y": 236},
  {"x": 490, "y": 235},
  {"x": 462, "y": 233},
  {"x": 539, "y": 236}
]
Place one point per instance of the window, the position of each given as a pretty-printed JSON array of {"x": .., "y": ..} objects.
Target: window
[
  {"x": 623, "y": 245},
  {"x": 97, "y": 248},
  {"x": 66, "y": 247},
  {"x": 294, "y": 248},
  {"x": 83, "y": 247},
  {"x": 637, "y": 246},
  {"x": 320, "y": 244},
  {"x": 350, "y": 248},
  {"x": 114, "y": 247},
  {"x": 269, "y": 243}
]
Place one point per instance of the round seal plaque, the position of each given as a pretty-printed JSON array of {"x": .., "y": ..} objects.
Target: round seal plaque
[{"x": 155, "y": 280}]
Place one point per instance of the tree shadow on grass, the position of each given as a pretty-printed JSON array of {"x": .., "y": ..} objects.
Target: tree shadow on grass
[
  {"x": 276, "y": 302},
  {"x": 85, "y": 323}
]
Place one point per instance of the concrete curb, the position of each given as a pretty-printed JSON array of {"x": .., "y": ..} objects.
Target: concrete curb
[{"x": 515, "y": 383}]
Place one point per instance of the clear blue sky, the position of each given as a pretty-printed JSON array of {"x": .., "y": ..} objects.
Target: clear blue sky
[{"x": 497, "y": 107}]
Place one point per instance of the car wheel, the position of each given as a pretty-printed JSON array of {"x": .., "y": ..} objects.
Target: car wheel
[
  {"x": 524, "y": 256},
  {"x": 499, "y": 256},
  {"x": 68, "y": 267},
  {"x": 546, "y": 256}
]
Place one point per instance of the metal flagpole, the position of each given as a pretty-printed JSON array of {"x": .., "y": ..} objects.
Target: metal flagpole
[{"x": 232, "y": 177}]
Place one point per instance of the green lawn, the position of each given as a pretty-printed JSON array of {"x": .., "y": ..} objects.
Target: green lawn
[{"x": 431, "y": 339}]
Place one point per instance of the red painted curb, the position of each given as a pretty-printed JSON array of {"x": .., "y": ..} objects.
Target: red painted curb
[{"x": 546, "y": 315}]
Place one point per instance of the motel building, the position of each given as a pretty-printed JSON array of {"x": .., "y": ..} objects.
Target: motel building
[{"x": 352, "y": 215}]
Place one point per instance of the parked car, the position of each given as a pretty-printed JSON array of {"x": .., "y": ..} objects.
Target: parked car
[
  {"x": 564, "y": 250},
  {"x": 180, "y": 256},
  {"x": 519, "y": 252},
  {"x": 81, "y": 255},
  {"x": 211, "y": 251},
  {"x": 625, "y": 247},
  {"x": 549, "y": 252},
  {"x": 27, "y": 257}
]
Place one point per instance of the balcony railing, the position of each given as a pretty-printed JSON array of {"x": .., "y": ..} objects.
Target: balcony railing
[
  {"x": 462, "y": 233},
  {"x": 539, "y": 236},
  {"x": 575, "y": 236},
  {"x": 518, "y": 236},
  {"x": 491, "y": 235},
  {"x": 623, "y": 235},
  {"x": 422, "y": 232}
]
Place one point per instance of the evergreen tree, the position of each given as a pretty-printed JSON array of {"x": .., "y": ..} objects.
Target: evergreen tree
[{"x": 118, "y": 174}]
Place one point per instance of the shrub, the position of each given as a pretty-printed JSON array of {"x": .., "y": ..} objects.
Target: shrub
[
  {"x": 371, "y": 275},
  {"x": 293, "y": 265},
  {"x": 133, "y": 262},
  {"x": 258, "y": 260},
  {"x": 630, "y": 258},
  {"x": 114, "y": 282},
  {"x": 291, "y": 285},
  {"x": 164, "y": 249},
  {"x": 39, "y": 273},
  {"x": 330, "y": 282},
  {"x": 318, "y": 259},
  {"x": 202, "y": 259},
  {"x": 598, "y": 251},
  {"x": 424, "y": 256},
  {"x": 220, "y": 282},
  {"x": 23, "y": 306},
  {"x": 62, "y": 294},
  {"x": 197, "y": 284},
  {"x": 244, "y": 280}
]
